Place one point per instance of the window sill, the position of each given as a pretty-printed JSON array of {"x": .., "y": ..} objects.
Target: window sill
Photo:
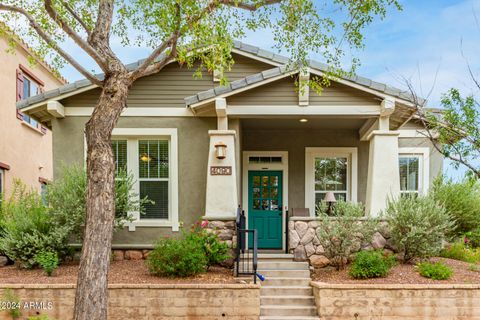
[
  {"x": 32, "y": 128},
  {"x": 149, "y": 223}
]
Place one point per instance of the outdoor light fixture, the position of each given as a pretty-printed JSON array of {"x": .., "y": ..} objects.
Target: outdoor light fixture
[
  {"x": 330, "y": 199},
  {"x": 303, "y": 120},
  {"x": 220, "y": 150}
]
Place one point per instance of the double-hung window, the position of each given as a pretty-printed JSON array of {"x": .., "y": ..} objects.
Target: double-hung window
[
  {"x": 27, "y": 86},
  {"x": 414, "y": 170},
  {"x": 152, "y": 160},
  {"x": 330, "y": 170}
]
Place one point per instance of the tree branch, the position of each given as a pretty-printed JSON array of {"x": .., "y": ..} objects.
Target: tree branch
[
  {"x": 52, "y": 43},
  {"x": 247, "y": 6},
  {"x": 77, "y": 17},
  {"x": 101, "y": 33},
  {"x": 72, "y": 34}
]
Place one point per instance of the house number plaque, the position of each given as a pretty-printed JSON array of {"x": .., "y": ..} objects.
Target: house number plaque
[{"x": 220, "y": 171}]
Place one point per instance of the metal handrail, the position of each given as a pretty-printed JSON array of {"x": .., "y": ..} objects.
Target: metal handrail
[{"x": 246, "y": 259}]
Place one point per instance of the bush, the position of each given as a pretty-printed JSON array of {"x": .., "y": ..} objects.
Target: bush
[
  {"x": 341, "y": 208},
  {"x": 435, "y": 271},
  {"x": 177, "y": 258},
  {"x": 48, "y": 260},
  {"x": 28, "y": 229},
  {"x": 215, "y": 251},
  {"x": 343, "y": 233},
  {"x": 418, "y": 225},
  {"x": 472, "y": 238},
  {"x": 371, "y": 264},
  {"x": 461, "y": 200},
  {"x": 66, "y": 197},
  {"x": 459, "y": 251}
]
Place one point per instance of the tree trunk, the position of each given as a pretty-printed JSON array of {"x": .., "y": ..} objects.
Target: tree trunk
[{"x": 91, "y": 299}]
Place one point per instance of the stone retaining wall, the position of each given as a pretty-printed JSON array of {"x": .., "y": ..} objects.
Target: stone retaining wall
[
  {"x": 305, "y": 245},
  {"x": 181, "y": 301},
  {"x": 397, "y": 301}
]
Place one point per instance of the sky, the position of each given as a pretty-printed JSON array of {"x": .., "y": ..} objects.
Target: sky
[{"x": 430, "y": 42}]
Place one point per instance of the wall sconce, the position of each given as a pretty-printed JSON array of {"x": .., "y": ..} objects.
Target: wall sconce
[
  {"x": 330, "y": 199},
  {"x": 220, "y": 150}
]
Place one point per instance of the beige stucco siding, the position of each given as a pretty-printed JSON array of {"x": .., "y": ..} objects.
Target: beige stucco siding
[
  {"x": 436, "y": 158},
  {"x": 295, "y": 142},
  {"x": 192, "y": 164}
]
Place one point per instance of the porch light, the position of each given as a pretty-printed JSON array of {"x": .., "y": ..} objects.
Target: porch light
[
  {"x": 220, "y": 150},
  {"x": 330, "y": 199},
  {"x": 303, "y": 120}
]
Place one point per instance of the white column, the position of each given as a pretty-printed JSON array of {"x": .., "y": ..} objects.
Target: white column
[
  {"x": 383, "y": 170},
  {"x": 221, "y": 199}
]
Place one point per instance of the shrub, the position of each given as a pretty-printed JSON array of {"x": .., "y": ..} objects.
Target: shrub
[
  {"x": 418, "y": 225},
  {"x": 177, "y": 258},
  {"x": 461, "y": 200},
  {"x": 48, "y": 260},
  {"x": 371, "y": 264},
  {"x": 472, "y": 238},
  {"x": 435, "y": 271},
  {"x": 67, "y": 205},
  {"x": 343, "y": 233},
  {"x": 459, "y": 251},
  {"x": 215, "y": 251},
  {"x": 28, "y": 228}
]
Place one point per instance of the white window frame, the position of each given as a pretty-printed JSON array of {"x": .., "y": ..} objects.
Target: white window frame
[
  {"x": 133, "y": 135},
  {"x": 351, "y": 153},
  {"x": 423, "y": 154}
]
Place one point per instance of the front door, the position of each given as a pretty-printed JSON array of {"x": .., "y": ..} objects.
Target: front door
[{"x": 265, "y": 207}]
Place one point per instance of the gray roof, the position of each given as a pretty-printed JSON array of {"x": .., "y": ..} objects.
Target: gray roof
[{"x": 256, "y": 51}]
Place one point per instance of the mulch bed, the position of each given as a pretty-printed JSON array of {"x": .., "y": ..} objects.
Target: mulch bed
[
  {"x": 126, "y": 271},
  {"x": 405, "y": 274}
]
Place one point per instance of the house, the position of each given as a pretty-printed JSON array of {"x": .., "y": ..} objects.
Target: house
[
  {"x": 25, "y": 144},
  {"x": 200, "y": 150}
]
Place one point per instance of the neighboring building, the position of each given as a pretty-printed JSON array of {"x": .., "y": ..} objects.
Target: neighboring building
[
  {"x": 25, "y": 144},
  {"x": 200, "y": 150}
]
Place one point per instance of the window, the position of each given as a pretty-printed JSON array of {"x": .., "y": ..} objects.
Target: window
[
  {"x": 27, "y": 86},
  {"x": 30, "y": 88},
  {"x": 330, "y": 169},
  {"x": 43, "y": 192},
  {"x": 414, "y": 170},
  {"x": 150, "y": 155}
]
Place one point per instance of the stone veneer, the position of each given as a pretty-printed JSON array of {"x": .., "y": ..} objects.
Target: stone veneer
[
  {"x": 305, "y": 245},
  {"x": 145, "y": 301},
  {"x": 397, "y": 301}
]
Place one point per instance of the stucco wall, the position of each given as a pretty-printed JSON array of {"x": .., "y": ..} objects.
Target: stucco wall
[
  {"x": 28, "y": 152},
  {"x": 389, "y": 302},
  {"x": 172, "y": 302},
  {"x": 295, "y": 142},
  {"x": 192, "y": 164}
]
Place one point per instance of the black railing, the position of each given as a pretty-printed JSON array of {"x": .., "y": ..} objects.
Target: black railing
[
  {"x": 246, "y": 251},
  {"x": 286, "y": 231}
]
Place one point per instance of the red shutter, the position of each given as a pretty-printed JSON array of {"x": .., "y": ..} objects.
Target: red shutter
[{"x": 19, "y": 95}]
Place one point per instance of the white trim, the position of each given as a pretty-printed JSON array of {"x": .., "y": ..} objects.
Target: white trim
[
  {"x": 351, "y": 153},
  {"x": 355, "y": 110},
  {"x": 132, "y": 135},
  {"x": 416, "y": 133},
  {"x": 283, "y": 166},
  {"x": 424, "y": 165},
  {"x": 56, "y": 109},
  {"x": 135, "y": 112}
]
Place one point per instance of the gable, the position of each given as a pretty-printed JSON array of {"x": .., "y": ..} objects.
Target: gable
[{"x": 339, "y": 94}]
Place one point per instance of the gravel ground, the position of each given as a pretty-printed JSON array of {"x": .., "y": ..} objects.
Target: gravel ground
[
  {"x": 126, "y": 271},
  {"x": 406, "y": 274}
]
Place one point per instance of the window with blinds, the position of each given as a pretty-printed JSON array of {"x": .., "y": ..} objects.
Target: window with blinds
[
  {"x": 153, "y": 177},
  {"x": 409, "y": 174},
  {"x": 119, "y": 148},
  {"x": 331, "y": 175}
]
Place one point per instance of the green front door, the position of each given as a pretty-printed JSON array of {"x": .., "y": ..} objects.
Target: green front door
[{"x": 265, "y": 207}]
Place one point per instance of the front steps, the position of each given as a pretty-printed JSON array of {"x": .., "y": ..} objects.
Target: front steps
[{"x": 286, "y": 293}]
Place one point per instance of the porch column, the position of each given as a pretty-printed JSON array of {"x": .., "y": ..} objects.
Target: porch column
[
  {"x": 383, "y": 180},
  {"x": 221, "y": 199}
]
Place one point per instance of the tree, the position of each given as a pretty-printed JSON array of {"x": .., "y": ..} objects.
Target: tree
[{"x": 185, "y": 31}]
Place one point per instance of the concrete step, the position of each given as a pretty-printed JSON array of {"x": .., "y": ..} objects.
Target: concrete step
[
  {"x": 285, "y": 281},
  {"x": 288, "y": 318},
  {"x": 282, "y": 265},
  {"x": 271, "y": 257},
  {"x": 287, "y": 300},
  {"x": 286, "y": 273},
  {"x": 286, "y": 291},
  {"x": 289, "y": 310}
]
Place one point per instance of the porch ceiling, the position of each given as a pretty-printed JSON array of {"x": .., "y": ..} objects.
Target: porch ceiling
[{"x": 317, "y": 123}]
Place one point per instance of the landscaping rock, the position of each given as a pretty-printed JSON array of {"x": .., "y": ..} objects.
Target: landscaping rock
[
  {"x": 299, "y": 254},
  {"x": 320, "y": 250},
  {"x": 226, "y": 234},
  {"x": 216, "y": 224},
  {"x": 308, "y": 237},
  {"x": 293, "y": 239},
  {"x": 390, "y": 245},
  {"x": 309, "y": 249},
  {"x": 356, "y": 246},
  {"x": 291, "y": 225},
  {"x": 133, "y": 255},
  {"x": 315, "y": 240},
  {"x": 146, "y": 253},
  {"x": 378, "y": 241},
  {"x": 313, "y": 224},
  {"x": 3, "y": 261},
  {"x": 384, "y": 229},
  {"x": 230, "y": 224},
  {"x": 118, "y": 255},
  {"x": 301, "y": 228},
  {"x": 319, "y": 261},
  {"x": 388, "y": 252}
]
